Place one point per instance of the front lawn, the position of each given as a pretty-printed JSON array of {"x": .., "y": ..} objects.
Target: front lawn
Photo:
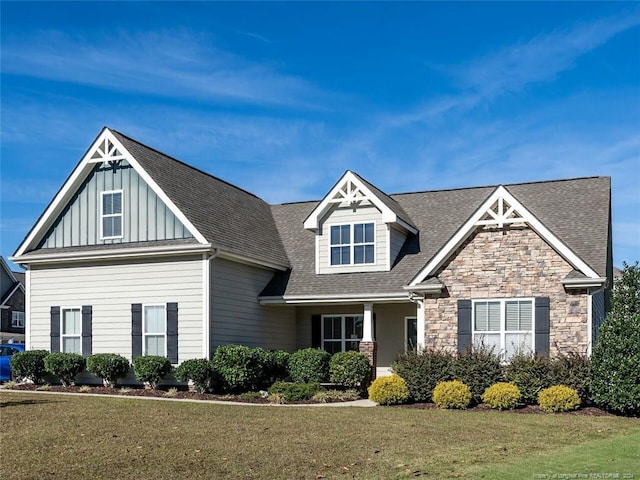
[{"x": 67, "y": 437}]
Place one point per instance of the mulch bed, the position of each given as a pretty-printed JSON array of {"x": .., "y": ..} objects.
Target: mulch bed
[{"x": 585, "y": 411}]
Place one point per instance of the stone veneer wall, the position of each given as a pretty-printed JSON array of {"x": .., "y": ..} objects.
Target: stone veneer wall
[{"x": 507, "y": 263}]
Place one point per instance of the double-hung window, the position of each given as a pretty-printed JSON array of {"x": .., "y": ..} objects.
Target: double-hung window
[
  {"x": 154, "y": 330},
  {"x": 341, "y": 333},
  {"x": 352, "y": 244},
  {"x": 17, "y": 319},
  {"x": 506, "y": 325},
  {"x": 111, "y": 214},
  {"x": 70, "y": 337}
]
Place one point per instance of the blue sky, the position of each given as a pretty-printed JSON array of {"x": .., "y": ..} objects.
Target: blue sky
[{"x": 281, "y": 98}]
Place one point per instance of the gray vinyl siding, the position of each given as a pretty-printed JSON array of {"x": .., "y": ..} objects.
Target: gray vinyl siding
[
  {"x": 111, "y": 289},
  {"x": 362, "y": 214},
  {"x": 397, "y": 241},
  {"x": 236, "y": 315},
  {"x": 145, "y": 216},
  {"x": 597, "y": 314}
]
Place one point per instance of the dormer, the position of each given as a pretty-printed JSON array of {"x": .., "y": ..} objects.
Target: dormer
[{"x": 358, "y": 228}]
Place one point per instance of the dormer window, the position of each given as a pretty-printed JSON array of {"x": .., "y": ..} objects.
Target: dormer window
[
  {"x": 353, "y": 244},
  {"x": 111, "y": 214}
]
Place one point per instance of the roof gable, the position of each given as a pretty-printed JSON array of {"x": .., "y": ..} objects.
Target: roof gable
[{"x": 353, "y": 189}]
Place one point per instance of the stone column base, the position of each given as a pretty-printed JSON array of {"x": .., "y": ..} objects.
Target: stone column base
[{"x": 370, "y": 349}]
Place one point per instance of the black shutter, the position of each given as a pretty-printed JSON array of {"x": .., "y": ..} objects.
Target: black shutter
[
  {"x": 136, "y": 330},
  {"x": 464, "y": 325},
  {"x": 316, "y": 331},
  {"x": 542, "y": 326},
  {"x": 172, "y": 332},
  {"x": 55, "y": 329},
  {"x": 86, "y": 329}
]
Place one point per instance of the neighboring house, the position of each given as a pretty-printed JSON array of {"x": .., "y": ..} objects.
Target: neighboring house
[
  {"x": 12, "y": 305},
  {"x": 139, "y": 253}
]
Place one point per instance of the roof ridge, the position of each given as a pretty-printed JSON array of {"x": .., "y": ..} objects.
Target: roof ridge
[{"x": 187, "y": 165}]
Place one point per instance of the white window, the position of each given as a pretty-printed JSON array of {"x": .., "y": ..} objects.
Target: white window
[
  {"x": 154, "y": 330},
  {"x": 17, "y": 319},
  {"x": 410, "y": 334},
  {"x": 111, "y": 214},
  {"x": 71, "y": 331},
  {"x": 341, "y": 333},
  {"x": 506, "y": 325},
  {"x": 352, "y": 244}
]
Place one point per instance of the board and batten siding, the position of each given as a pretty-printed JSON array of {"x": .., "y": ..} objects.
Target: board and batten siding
[
  {"x": 145, "y": 216},
  {"x": 236, "y": 315},
  {"x": 111, "y": 289},
  {"x": 360, "y": 214}
]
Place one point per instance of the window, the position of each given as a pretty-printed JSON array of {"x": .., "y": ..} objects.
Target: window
[
  {"x": 17, "y": 319},
  {"x": 506, "y": 325},
  {"x": 154, "y": 329},
  {"x": 410, "y": 334},
  {"x": 341, "y": 333},
  {"x": 111, "y": 214},
  {"x": 352, "y": 244},
  {"x": 71, "y": 330}
]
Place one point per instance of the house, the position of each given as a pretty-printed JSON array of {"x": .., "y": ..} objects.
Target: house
[
  {"x": 139, "y": 253},
  {"x": 12, "y": 304}
]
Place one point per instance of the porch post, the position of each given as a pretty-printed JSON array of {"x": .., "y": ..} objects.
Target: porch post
[
  {"x": 420, "y": 324},
  {"x": 368, "y": 345}
]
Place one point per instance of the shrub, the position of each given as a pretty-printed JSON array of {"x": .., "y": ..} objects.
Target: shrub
[
  {"x": 309, "y": 365},
  {"x": 198, "y": 370},
  {"x": 615, "y": 362},
  {"x": 422, "y": 371},
  {"x": 502, "y": 395},
  {"x": 350, "y": 369},
  {"x": 390, "y": 390},
  {"x": 65, "y": 366},
  {"x": 276, "y": 365},
  {"x": 109, "y": 366},
  {"x": 530, "y": 373},
  {"x": 295, "y": 392},
  {"x": 151, "y": 369},
  {"x": 558, "y": 398},
  {"x": 572, "y": 370},
  {"x": 326, "y": 396},
  {"x": 452, "y": 394},
  {"x": 479, "y": 368},
  {"x": 241, "y": 369},
  {"x": 29, "y": 364}
]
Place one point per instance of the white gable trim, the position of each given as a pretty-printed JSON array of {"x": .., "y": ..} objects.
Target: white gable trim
[
  {"x": 78, "y": 176},
  {"x": 504, "y": 216},
  {"x": 351, "y": 189}
]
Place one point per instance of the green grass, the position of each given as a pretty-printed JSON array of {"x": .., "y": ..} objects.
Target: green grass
[{"x": 67, "y": 437}]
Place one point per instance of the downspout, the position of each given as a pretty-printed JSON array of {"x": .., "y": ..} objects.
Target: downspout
[{"x": 206, "y": 301}]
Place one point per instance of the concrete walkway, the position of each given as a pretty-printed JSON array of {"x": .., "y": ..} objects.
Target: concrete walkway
[{"x": 353, "y": 403}]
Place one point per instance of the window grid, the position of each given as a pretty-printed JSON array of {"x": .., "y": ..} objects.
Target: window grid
[
  {"x": 111, "y": 214},
  {"x": 17, "y": 319},
  {"x": 352, "y": 244},
  {"x": 341, "y": 333}
]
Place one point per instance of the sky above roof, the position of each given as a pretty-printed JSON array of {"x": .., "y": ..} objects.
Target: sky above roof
[{"x": 282, "y": 98}]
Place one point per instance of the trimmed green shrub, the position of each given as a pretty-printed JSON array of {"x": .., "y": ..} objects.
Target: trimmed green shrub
[
  {"x": 295, "y": 392},
  {"x": 109, "y": 366},
  {"x": 350, "y": 369},
  {"x": 615, "y": 361},
  {"x": 241, "y": 369},
  {"x": 452, "y": 394},
  {"x": 151, "y": 369},
  {"x": 198, "y": 370},
  {"x": 29, "y": 365},
  {"x": 65, "y": 366},
  {"x": 502, "y": 395},
  {"x": 276, "y": 365},
  {"x": 530, "y": 373},
  {"x": 558, "y": 398},
  {"x": 573, "y": 370},
  {"x": 390, "y": 390},
  {"x": 422, "y": 371},
  {"x": 478, "y": 368},
  {"x": 309, "y": 365}
]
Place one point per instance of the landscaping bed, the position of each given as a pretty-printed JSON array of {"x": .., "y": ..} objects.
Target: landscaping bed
[{"x": 535, "y": 409}]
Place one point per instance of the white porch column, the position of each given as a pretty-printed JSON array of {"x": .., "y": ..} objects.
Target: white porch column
[
  {"x": 420, "y": 320},
  {"x": 367, "y": 326}
]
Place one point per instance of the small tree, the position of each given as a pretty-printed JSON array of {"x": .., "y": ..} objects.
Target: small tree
[{"x": 615, "y": 363}]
